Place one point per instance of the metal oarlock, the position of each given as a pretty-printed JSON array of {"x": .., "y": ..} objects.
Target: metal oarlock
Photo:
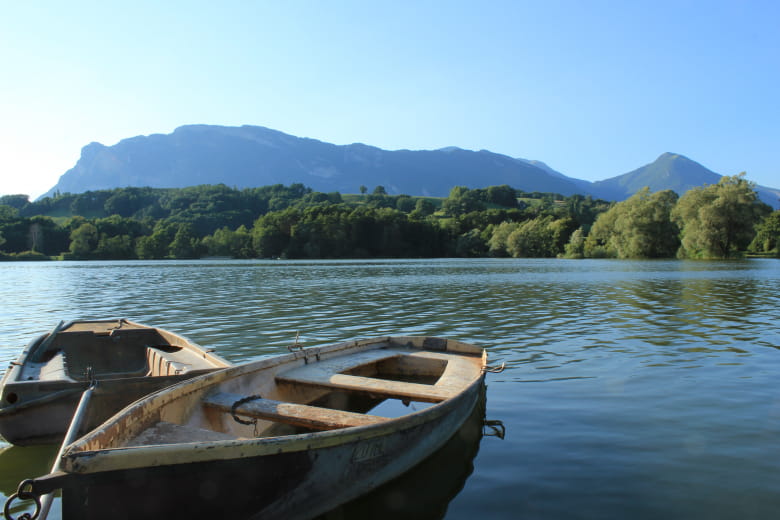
[{"x": 494, "y": 370}]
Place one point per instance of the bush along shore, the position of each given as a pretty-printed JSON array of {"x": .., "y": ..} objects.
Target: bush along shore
[{"x": 722, "y": 220}]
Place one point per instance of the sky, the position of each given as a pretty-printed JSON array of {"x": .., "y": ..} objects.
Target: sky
[{"x": 593, "y": 88}]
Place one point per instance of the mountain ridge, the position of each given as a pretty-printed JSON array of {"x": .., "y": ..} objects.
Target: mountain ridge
[
  {"x": 255, "y": 156},
  {"x": 248, "y": 156}
]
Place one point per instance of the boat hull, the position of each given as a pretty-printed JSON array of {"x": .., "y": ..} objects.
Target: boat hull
[
  {"x": 300, "y": 481},
  {"x": 41, "y": 389},
  {"x": 45, "y": 415}
]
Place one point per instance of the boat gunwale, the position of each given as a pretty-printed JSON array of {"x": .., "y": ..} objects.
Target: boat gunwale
[{"x": 82, "y": 461}]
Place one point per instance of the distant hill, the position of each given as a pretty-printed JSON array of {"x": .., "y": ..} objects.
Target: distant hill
[
  {"x": 251, "y": 156},
  {"x": 586, "y": 187},
  {"x": 670, "y": 171}
]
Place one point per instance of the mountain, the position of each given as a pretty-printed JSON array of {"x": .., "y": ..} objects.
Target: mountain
[
  {"x": 250, "y": 156},
  {"x": 585, "y": 186},
  {"x": 255, "y": 156},
  {"x": 670, "y": 171}
]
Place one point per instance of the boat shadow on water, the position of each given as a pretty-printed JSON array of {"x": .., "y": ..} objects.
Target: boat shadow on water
[{"x": 425, "y": 491}]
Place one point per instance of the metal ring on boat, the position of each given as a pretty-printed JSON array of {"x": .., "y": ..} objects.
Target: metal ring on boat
[{"x": 21, "y": 494}]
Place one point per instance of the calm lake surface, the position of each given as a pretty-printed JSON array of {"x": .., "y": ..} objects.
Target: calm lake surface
[{"x": 633, "y": 389}]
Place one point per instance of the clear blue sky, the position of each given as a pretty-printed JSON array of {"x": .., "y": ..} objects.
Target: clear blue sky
[{"x": 593, "y": 88}]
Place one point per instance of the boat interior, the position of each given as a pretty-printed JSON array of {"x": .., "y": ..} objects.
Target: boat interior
[
  {"x": 363, "y": 388},
  {"x": 108, "y": 352}
]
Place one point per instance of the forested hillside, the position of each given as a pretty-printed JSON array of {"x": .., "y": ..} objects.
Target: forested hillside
[{"x": 716, "y": 221}]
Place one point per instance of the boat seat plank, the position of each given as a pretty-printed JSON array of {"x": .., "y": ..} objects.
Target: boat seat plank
[
  {"x": 387, "y": 388},
  {"x": 328, "y": 373},
  {"x": 312, "y": 417}
]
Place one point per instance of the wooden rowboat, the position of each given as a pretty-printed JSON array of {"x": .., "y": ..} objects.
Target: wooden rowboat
[
  {"x": 286, "y": 437},
  {"x": 41, "y": 389}
]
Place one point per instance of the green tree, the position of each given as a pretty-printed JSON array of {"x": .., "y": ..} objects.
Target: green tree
[
  {"x": 185, "y": 243},
  {"x": 155, "y": 246},
  {"x": 83, "y": 240},
  {"x": 8, "y": 212},
  {"x": 423, "y": 208},
  {"x": 503, "y": 195},
  {"x": 224, "y": 242},
  {"x": 767, "y": 239},
  {"x": 471, "y": 244},
  {"x": 15, "y": 201},
  {"x": 532, "y": 238},
  {"x": 117, "y": 247},
  {"x": 462, "y": 200},
  {"x": 718, "y": 220},
  {"x": 575, "y": 248},
  {"x": 497, "y": 245},
  {"x": 405, "y": 203},
  {"x": 639, "y": 227}
]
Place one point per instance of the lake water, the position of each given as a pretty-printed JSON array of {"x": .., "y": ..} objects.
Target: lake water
[{"x": 632, "y": 389}]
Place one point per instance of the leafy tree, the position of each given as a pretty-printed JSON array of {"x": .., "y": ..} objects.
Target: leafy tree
[
  {"x": 8, "y": 212},
  {"x": 363, "y": 190},
  {"x": 533, "y": 238},
  {"x": 405, "y": 203},
  {"x": 575, "y": 248},
  {"x": 156, "y": 245},
  {"x": 271, "y": 232},
  {"x": 502, "y": 195},
  {"x": 639, "y": 227},
  {"x": 83, "y": 240},
  {"x": 767, "y": 239},
  {"x": 423, "y": 208},
  {"x": 90, "y": 203},
  {"x": 224, "y": 242},
  {"x": 718, "y": 220},
  {"x": 185, "y": 243},
  {"x": 497, "y": 245},
  {"x": 118, "y": 247},
  {"x": 15, "y": 201},
  {"x": 471, "y": 244},
  {"x": 380, "y": 190},
  {"x": 462, "y": 200}
]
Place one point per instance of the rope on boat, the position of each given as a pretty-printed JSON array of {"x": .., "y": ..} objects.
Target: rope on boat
[{"x": 238, "y": 403}]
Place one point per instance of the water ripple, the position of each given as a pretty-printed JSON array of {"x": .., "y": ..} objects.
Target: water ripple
[{"x": 632, "y": 389}]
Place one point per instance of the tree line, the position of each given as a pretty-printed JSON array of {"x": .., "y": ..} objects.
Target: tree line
[{"x": 714, "y": 221}]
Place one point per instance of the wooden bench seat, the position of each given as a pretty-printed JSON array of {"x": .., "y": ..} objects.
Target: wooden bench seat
[
  {"x": 459, "y": 372},
  {"x": 313, "y": 417}
]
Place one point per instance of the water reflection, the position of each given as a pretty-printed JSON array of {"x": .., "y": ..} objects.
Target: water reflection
[
  {"x": 643, "y": 389},
  {"x": 17, "y": 464}
]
